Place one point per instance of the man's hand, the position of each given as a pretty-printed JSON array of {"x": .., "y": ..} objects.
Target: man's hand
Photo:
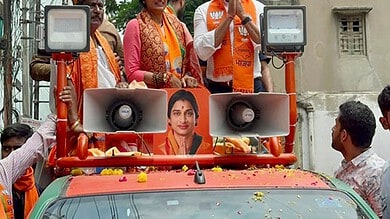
[
  {"x": 174, "y": 82},
  {"x": 120, "y": 62},
  {"x": 122, "y": 85},
  {"x": 68, "y": 96},
  {"x": 188, "y": 81}
]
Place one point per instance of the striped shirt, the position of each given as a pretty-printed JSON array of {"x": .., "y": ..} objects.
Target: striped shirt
[{"x": 16, "y": 164}]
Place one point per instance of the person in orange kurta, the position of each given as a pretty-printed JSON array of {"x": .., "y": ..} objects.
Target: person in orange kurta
[
  {"x": 183, "y": 114},
  {"x": 97, "y": 68}
]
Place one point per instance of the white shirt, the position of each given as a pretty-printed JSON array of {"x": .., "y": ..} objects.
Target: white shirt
[
  {"x": 106, "y": 78},
  {"x": 204, "y": 41}
]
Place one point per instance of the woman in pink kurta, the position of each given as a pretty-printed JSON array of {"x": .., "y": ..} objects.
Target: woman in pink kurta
[{"x": 157, "y": 51}]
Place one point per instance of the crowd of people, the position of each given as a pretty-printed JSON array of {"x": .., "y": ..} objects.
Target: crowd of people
[{"x": 159, "y": 50}]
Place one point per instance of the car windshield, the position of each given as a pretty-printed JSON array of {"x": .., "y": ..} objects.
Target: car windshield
[{"x": 238, "y": 203}]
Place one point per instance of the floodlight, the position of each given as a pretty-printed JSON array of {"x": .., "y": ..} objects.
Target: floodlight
[
  {"x": 67, "y": 28},
  {"x": 283, "y": 29}
]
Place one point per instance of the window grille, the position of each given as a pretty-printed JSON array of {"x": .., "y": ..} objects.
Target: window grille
[
  {"x": 352, "y": 29},
  {"x": 352, "y": 35}
]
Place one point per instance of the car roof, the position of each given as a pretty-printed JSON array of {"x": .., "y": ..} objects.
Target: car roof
[{"x": 179, "y": 180}]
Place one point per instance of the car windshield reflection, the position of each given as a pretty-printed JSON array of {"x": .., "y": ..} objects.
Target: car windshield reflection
[{"x": 238, "y": 203}]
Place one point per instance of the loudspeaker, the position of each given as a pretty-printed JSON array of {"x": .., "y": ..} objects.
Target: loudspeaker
[
  {"x": 139, "y": 110},
  {"x": 249, "y": 114}
]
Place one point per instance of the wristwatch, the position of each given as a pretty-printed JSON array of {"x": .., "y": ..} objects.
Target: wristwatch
[{"x": 246, "y": 20}]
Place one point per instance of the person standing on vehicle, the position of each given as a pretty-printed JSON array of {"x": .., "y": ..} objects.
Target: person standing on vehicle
[
  {"x": 24, "y": 192},
  {"x": 14, "y": 166},
  {"x": 183, "y": 114},
  {"x": 97, "y": 68},
  {"x": 384, "y": 105},
  {"x": 227, "y": 35},
  {"x": 361, "y": 167}
]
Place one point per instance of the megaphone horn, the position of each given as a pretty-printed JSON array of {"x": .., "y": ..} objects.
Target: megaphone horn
[
  {"x": 111, "y": 110},
  {"x": 250, "y": 115},
  {"x": 241, "y": 114},
  {"x": 123, "y": 115}
]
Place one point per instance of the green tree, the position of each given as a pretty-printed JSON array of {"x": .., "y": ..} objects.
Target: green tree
[
  {"x": 191, "y": 5},
  {"x": 120, "y": 13}
]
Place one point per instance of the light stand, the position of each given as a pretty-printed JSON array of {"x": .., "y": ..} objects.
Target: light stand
[
  {"x": 291, "y": 91},
  {"x": 67, "y": 32},
  {"x": 283, "y": 31}
]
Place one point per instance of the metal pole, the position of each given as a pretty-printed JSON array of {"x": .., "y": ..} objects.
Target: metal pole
[
  {"x": 7, "y": 100},
  {"x": 291, "y": 91},
  {"x": 26, "y": 57},
  {"x": 36, "y": 93},
  {"x": 62, "y": 110}
]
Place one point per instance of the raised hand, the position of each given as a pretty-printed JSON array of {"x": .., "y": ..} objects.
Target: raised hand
[
  {"x": 240, "y": 10},
  {"x": 68, "y": 96},
  {"x": 232, "y": 8}
]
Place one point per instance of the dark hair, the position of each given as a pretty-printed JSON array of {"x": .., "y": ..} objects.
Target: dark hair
[
  {"x": 359, "y": 121},
  {"x": 384, "y": 100},
  {"x": 16, "y": 130},
  {"x": 143, "y": 3},
  {"x": 183, "y": 95},
  {"x": 81, "y": 2}
]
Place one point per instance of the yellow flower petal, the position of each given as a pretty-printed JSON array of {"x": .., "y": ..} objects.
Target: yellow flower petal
[{"x": 142, "y": 177}]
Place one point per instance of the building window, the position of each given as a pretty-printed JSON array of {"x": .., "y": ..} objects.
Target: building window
[
  {"x": 280, "y": 2},
  {"x": 351, "y": 30},
  {"x": 352, "y": 35}
]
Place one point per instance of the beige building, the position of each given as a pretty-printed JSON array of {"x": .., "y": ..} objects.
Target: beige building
[{"x": 346, "y": 57}]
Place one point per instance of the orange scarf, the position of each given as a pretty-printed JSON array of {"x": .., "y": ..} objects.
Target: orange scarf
[
  {"x": 6, "y": 206},
  {"x": 169, "y": 9},
  {"x": 170, "y": 146},
  {"x": 238, "y": 63},
  {"x": 176, "y": 52},
  {"x": 84, "y": 72},
  {"x": 191, "y": 65},
  {"x": 26, "y": 184}
]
